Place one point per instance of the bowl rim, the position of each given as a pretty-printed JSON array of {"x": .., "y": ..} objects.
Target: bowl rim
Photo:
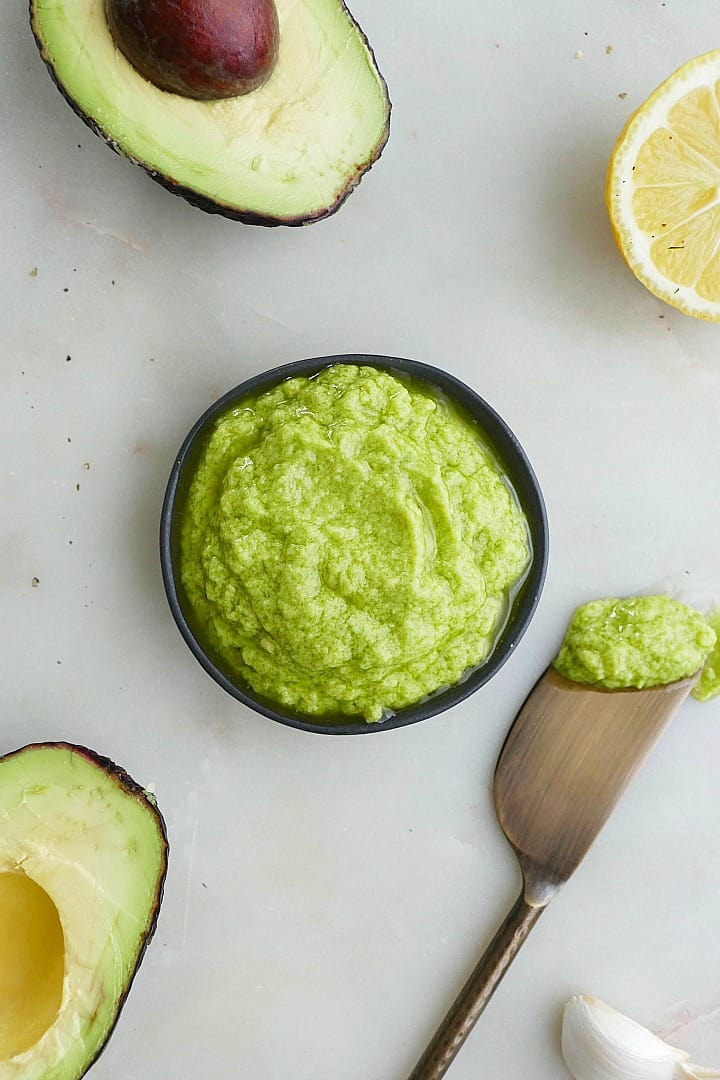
[{"x": 513, "y": 459}]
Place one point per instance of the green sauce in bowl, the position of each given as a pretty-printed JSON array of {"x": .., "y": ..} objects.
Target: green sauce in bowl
[{"x": 349, "y": 543}]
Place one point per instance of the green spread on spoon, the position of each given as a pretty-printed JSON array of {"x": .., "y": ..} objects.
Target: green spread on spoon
[
  {"x": 350, "y": 543},
  {"x": 637, "y": 642},
  {"x": 709, "y": 682}
]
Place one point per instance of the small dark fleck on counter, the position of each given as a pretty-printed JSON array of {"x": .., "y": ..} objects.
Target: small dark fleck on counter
[
  {"x": 68, "y": 358},
  {"x": 35, "y": 582},
  {"x": 623, "y": 95}
]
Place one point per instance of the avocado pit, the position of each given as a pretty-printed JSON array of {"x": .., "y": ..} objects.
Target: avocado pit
[{"x": 202, "y": 49}]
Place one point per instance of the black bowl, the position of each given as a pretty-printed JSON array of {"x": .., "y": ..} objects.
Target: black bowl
[{"x": 515, "y": 464}]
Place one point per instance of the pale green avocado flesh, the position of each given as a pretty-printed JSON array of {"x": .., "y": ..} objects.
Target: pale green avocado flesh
[
  {"x": 350, "y": 543},
  {"x": 83, "y": 856},
  {"x": 287, "y": 153},
  {"x": 638, "y": 642}
]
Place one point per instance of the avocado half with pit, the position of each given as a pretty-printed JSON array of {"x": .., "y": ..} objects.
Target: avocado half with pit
[
  {"x": 287, "y": 153},
  {"x": 83, "y": 855}
]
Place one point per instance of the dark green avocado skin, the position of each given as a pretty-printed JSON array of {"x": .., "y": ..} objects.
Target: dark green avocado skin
[
  {"x": 202, "y": 202},
  {"x": 126, "y": 782}
]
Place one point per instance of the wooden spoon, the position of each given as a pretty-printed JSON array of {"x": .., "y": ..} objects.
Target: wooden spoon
[{"x": 566, "y": 761}]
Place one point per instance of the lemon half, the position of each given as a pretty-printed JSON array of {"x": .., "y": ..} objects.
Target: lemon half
[{"x": 663, "y": 189}]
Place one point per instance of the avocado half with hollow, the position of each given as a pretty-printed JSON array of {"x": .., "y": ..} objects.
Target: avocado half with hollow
[
  {"x": 83, "y": 855},
  {"x": 288, "y": 153}
]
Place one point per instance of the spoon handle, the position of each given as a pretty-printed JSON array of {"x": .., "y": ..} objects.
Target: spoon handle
[{"x": 477, "y": 991}]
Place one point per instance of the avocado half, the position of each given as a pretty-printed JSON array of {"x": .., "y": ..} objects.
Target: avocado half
[
  {"x": 288, "y": 153},
  {"x": 83, "y": 856}
]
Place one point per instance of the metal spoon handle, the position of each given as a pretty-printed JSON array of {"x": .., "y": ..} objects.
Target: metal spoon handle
[{"x": 477, "y": 991}]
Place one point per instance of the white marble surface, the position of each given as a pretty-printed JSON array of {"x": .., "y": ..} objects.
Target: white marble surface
[{"x": 327, "y": 896}]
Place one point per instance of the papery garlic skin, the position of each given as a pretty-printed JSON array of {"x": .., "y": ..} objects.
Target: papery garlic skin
[{"x": 600, "y": 1043}]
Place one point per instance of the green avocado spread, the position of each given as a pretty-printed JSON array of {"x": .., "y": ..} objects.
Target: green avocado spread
[
  {"x": 350, "y": 544},
  {"x": 708, "y": 685},
  {"x": 640, "y": 641}
]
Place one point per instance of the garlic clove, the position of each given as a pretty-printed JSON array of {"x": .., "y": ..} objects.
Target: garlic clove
[{"x": 600, "y": 1043}]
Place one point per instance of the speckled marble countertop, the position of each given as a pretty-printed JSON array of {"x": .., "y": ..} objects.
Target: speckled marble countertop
[{"x": 327, "y": 897}]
